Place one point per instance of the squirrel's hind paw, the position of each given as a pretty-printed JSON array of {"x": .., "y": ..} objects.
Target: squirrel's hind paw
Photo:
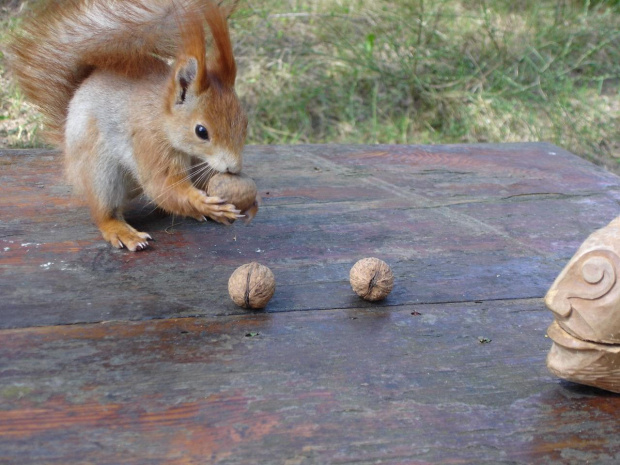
[{"x": 121, "y": 235}]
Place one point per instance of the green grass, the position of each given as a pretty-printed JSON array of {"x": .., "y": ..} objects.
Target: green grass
[
  {"x": 20, "y": 124},
  {"x": 442, "y": 71},
  {"x": 432, "y": 72}
]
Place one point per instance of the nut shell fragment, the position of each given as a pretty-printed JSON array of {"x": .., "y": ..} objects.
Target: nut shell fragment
[
  {"x": 371, "y": 279},
  {"x": 252, "y": 285}
]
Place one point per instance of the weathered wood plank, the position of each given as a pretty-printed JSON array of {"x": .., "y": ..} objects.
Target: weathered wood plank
[
  {"x": 457, "y": 223},
  {"x": 337, "y": 386},
  {"x": 406, "y": 381}
]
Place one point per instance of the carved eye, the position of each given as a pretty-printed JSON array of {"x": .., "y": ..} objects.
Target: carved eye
[{"x": 202, "y": 132}]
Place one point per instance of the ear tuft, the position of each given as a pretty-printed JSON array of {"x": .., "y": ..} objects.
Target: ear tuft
[
  {"x": 223, "y": 66},
  {"x": 190, "y": 71}
]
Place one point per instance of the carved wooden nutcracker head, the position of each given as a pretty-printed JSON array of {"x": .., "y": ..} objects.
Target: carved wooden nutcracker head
[
  {"x": 585, "y": 300},
  {"x": 585, "y": 297}
]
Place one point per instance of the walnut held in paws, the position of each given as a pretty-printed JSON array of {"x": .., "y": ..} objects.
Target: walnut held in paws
[
  {"x": 252, "y": 285},
  {"x": 238, "y": 189},
  {"x": 371, "y": 279}
]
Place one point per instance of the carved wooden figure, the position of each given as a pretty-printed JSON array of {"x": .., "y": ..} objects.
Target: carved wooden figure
[{"x": 585, "y": 300}]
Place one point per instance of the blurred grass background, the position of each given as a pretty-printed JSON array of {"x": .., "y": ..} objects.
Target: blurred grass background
[{"x": 412, "y": 72}]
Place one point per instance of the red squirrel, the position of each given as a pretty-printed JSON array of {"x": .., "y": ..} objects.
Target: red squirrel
[{"x": 131, "y": 98}]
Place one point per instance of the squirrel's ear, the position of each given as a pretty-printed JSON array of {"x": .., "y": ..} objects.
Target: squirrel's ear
[
  {"x": 187, "y": 78},
  {"x": 190, "y": 72}
]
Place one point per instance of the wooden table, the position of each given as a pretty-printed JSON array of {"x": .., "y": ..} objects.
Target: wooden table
[{"x": 111, "y": 357}]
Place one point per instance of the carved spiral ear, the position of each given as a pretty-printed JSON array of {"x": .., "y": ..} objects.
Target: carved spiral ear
[{"x": 590, "y": 277}]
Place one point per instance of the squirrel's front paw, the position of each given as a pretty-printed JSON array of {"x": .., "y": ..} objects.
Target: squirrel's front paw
[{"x": 217, "y": 209}]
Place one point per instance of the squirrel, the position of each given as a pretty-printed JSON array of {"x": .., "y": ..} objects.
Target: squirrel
[{"x": 130, "y": 96}]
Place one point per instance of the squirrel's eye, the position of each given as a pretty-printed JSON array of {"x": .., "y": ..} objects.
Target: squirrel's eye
[{"x": 202, "y": 132}]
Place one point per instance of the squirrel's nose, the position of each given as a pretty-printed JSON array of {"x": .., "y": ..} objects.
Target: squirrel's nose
[{"x": 234, "y": 168}]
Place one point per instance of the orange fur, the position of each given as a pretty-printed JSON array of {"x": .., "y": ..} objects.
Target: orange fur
[
  {"x": 147, "y": 32},
  {"x": 224, "y": 66},
  {"x": 83, "y": 61}
]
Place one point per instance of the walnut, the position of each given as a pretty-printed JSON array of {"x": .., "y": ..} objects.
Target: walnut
[
  {"x": 251, "y": 285},
  {"x": 371, "y": 279},
  {"x": 238, "y": 189}
]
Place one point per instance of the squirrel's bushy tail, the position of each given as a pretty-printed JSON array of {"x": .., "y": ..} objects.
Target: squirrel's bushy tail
[{"x": 61, "y": 44}]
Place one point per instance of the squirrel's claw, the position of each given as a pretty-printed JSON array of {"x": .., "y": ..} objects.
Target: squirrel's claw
[
  {"x": 200, "y": 218},
  {"x": 214, "y": 200},
  {"x": 215, "y": 208},
  {"x": 121, "y": 235},
  {"x": 225, "y": 215}
]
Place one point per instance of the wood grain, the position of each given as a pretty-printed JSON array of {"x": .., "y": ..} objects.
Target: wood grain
[
  {"x": 456, "y": 223},
  {"x": 336, "y": 386},
  {"x": 110, "y": 357}
]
